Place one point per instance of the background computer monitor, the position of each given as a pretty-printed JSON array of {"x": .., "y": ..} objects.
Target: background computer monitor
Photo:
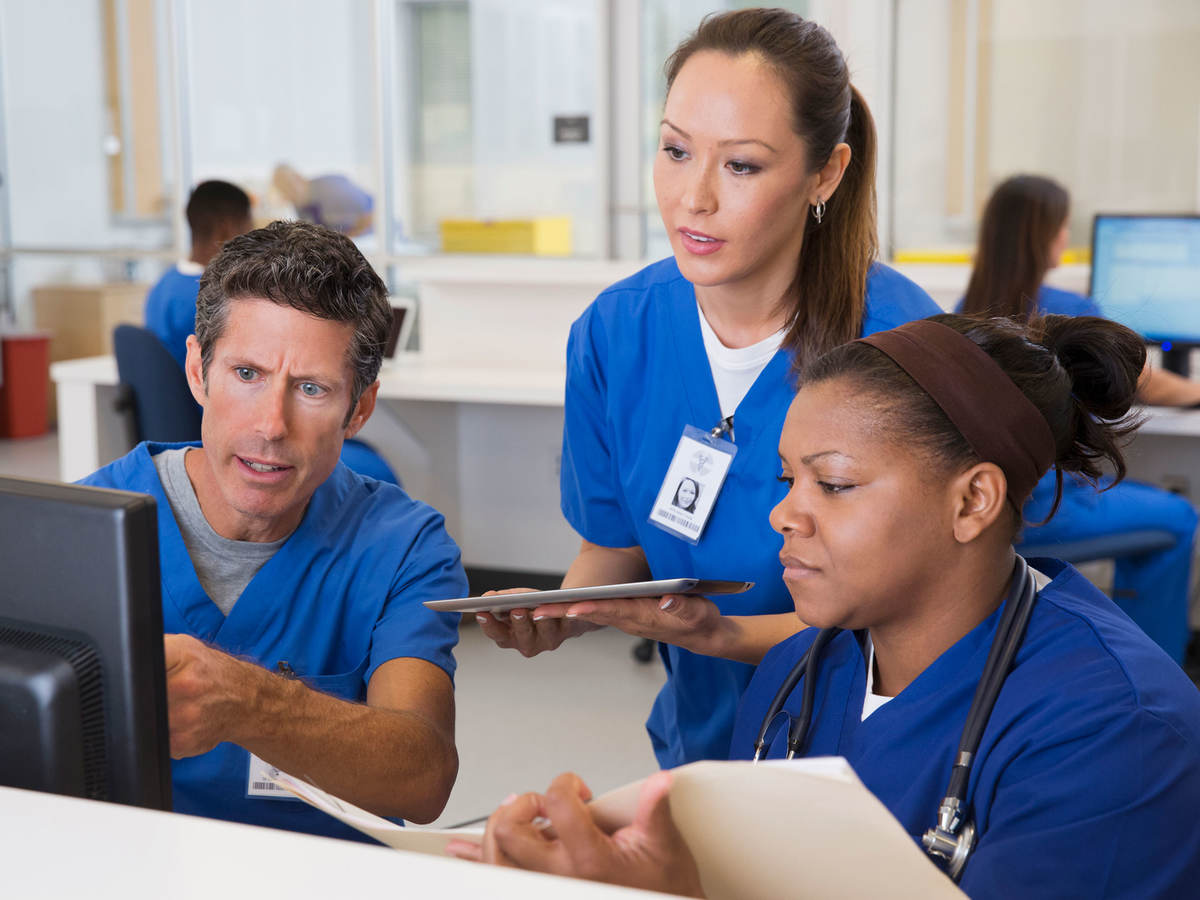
[
  {"x": 82, "y": 682},
  {"x": 403, "y": 314},
  {"x": 1146, "y": 275}
]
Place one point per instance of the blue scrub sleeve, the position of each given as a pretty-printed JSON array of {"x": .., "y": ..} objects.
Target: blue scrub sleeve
[
  {"x": 1101, "y": 811},
  {"x": 589, "y": 481},
  {"x": 182, "y": 320},
  {"x": 432, "y": 570}
]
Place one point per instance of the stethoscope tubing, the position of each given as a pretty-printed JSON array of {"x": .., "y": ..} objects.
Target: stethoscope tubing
[{"x": 1010, "y": 632}]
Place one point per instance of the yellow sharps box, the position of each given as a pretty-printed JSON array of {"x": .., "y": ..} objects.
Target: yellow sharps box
[{"x": 542, "y": 236}]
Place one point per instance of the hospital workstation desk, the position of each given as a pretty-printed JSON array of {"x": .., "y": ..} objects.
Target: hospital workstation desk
[
  {"x": 480, "y": 444},
  {"x": 56, "y": 847},
  {"x": 472, "y": 423}
]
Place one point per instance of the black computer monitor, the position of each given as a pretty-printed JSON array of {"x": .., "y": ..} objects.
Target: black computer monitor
[
  {"x": 82, "y": 683},
  {"x": 1146, "y": 275}
]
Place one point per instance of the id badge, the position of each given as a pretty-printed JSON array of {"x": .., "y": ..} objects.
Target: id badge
[
  {"x": 692, "y": 483},
  {"x": 259, "y": 783}
]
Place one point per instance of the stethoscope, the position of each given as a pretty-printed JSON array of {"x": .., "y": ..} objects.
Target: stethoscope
[{"x": 953, "y": 838}]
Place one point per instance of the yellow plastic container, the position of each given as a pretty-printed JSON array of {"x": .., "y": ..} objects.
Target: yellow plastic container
[
  {"x": 1071, "y": 256},
  {"x": 542, "y": 236},
  {"x": 932, "y": 256}
]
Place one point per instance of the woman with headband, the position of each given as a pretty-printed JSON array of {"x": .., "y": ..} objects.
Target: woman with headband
[
  {"x": 765, "y": 180},
  {"x": 908, "y": 456},
  {"x": 1021, "y": 237}
]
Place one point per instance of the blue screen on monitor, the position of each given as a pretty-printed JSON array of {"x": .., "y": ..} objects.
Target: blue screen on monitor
[{"x": 1146, "y": 274}]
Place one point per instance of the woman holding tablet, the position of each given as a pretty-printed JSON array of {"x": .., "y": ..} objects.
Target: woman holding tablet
[
  {"x": 1021, "y": 237},
  {"x": 765, "y": 182},
  {"x": 907, "y": 457}
]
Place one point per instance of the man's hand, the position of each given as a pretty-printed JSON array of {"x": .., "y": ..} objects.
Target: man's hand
[
  {"x": 208, "y": 694},
  {"x": 649, "y": 853},
  {"x": 393, "y": 755}
]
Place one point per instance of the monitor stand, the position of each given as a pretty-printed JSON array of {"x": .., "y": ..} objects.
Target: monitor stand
[{"x": 1176, "y": 357}]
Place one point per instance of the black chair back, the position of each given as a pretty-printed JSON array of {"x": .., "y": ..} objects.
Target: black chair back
[{"x": 163, "y": 407}]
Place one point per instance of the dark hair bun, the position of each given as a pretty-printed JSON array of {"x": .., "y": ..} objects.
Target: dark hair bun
[{"x": 1103, "y": 361}]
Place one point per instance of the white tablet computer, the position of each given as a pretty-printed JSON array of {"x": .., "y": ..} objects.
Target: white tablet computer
[{"x": 529, "y": 600}]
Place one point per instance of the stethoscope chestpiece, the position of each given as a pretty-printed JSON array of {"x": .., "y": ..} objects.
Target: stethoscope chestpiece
[{"x": 953, "y": 848}]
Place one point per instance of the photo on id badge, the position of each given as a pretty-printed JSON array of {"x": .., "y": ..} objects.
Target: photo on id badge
[{"x": 691, "y": 485}]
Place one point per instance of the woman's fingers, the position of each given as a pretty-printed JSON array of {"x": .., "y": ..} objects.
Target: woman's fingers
[
  {"x": 515, "y": 836},
  {"x": 528, "y": 635},
  {"x": 460, "y": 848},
  {"x": 667, "y": 618}
]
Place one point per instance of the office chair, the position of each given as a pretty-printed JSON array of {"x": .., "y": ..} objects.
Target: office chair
[
  {"x": 155, "y": 391},
  {"x": 154, "y": 388}
]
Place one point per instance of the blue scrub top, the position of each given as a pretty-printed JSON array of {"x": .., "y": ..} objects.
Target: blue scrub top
[
  {"x": 637, "y": 374},
  {"x": 1087, "y": 780},
  {"x": 341, "y": 597},
  {"x": 171, "y": 310}
]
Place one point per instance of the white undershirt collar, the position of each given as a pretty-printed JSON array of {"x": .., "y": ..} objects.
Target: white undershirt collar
[
  {"x": 735, "y": 369},
  {"x": 871, "y": 700}
]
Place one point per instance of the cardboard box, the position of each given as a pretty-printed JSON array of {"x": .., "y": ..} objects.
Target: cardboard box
[{"x": 81, "y": 317}]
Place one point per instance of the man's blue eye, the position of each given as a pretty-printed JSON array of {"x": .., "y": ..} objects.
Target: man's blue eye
[
  {"x": 310, "y": 390},
  {"x": 244, "y": 372}
]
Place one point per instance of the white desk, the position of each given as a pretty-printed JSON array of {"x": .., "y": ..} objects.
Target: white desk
[
  {"x": 479, "y": 443},
  {"x": 87, "y": 390},
  {"x": 56, "y": 847}
]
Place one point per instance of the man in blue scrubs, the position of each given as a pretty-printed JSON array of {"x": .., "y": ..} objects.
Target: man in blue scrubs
[
  {"x": 292, "y": 587},
  {"x": 216, "y": 212}
]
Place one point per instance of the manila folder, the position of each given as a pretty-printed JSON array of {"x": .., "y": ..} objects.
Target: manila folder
[{"x": 803, "y": 828}]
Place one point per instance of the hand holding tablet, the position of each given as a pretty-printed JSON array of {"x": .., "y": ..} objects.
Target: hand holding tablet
[{"x": 531, "y": 599}]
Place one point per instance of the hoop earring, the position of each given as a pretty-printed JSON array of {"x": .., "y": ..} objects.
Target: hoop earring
[{"x": 818, "y": 211}]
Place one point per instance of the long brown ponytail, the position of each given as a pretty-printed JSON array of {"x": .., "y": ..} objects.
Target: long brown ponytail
[
  {"x": 1019, "y": 224},
  {"x": 827, "y": 299}
]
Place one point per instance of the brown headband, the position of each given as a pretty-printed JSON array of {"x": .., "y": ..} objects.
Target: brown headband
[{"x": 999, "y": 422}]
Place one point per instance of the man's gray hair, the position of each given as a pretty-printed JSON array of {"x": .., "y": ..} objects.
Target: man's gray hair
[{"x": 307, "y": 267}]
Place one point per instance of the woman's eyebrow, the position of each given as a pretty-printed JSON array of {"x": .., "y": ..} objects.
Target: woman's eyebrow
[
  {"x": 808, "y": 460},
  {"x": 725, "y": 143}
]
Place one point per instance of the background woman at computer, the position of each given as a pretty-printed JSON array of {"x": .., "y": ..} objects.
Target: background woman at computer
[
  {"x": 765, "y": 182},
  {"x": 1021, "y": 237},
  {"x": 901, "y": 505}
]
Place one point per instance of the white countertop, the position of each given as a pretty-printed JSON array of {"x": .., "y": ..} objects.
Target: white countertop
[
  {"x": 411, "y": 379},
  {"x": 55, "y": 847}
]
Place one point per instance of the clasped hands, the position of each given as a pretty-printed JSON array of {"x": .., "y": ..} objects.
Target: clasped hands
[{"x": 556, "y": 833}]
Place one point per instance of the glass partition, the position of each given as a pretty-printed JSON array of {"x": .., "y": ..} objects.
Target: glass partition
[
  {"x": 499, "y": 122},
  {"x": 1098, "y": 94},
  {"x": 286, "y": 82}
]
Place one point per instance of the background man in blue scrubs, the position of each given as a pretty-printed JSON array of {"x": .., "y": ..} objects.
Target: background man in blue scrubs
[
  {"x": 216, "y": 211},
  {"x": 292, "y": 587}
]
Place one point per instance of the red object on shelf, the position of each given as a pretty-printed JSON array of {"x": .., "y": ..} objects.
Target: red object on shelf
[{"x": 24, "y": 384}]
